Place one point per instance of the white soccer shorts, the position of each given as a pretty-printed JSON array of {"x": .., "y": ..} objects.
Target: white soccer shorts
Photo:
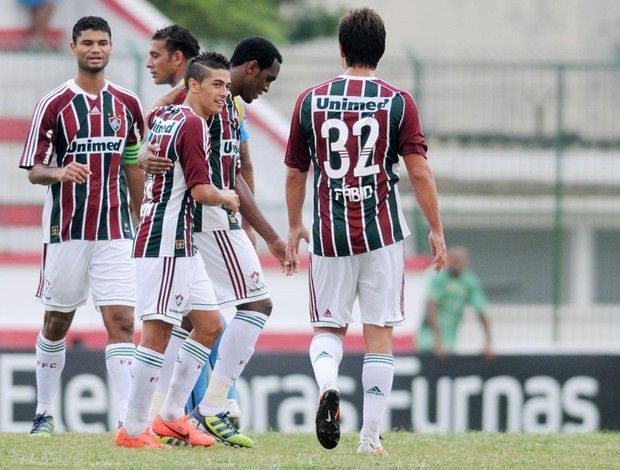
[
  {"x": 168, "y": 288},
  {"x": 233, "y": 266},
  {"x": 71, "y": 268},
  {"x": 375, "y": 278}
]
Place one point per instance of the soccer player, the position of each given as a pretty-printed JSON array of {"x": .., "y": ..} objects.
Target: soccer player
[
  {"x": 83, "y": 144},
  {"x": 169, "y": 275},
  {"x": 171, "y": 48},
  {"x": 229, "y": 256},
  {"x": 448, "y": 293},
  {"x": 352, "y": 129}
]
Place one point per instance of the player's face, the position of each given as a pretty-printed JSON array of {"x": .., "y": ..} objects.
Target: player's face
[
  {"x": 160, "y": 64},
  {"x": 259, "y": 80},
  {"x": 458, "y": 260},
  {"x": 213, "y": 91},
  {"x": 92, "y": 50}
]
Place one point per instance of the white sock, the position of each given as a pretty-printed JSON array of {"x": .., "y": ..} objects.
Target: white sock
[
  {"x": 144, "y": 377},
  {"x": 236, "y": 349},
  {"x": 50, "y": 357},
  {"x": 325, "y": 355},
  {"x": 118, "y": 360},
  {"x": 191, "y": 359},
  {"x": 377, "y": 376},
  {"x": 179, "y": 335}
]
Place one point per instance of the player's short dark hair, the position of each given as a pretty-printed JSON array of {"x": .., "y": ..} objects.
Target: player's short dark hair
[
  {"x": 361, "y": 34},
  {"x": 178, "y": 38},
  {"x": 198, "y": 67},
  {"x": 255, "y": 48},
  {"x": 90, "y": 22}
]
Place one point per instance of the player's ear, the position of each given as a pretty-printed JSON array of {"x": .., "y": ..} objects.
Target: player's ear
[
  {"x": 193, "y": 85},
  {"x": 177, "y": 57},
  {"x": 252, "y": 68}
]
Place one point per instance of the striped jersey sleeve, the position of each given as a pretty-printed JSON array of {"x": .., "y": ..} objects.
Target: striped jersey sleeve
[{"x": 41, "y": 141}]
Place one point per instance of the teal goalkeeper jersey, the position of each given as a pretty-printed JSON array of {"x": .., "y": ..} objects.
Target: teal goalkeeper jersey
[{"x": 452, "y": 295}]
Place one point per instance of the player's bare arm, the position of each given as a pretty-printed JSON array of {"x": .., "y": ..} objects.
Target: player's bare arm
[
  {"x": 210, "y": 195},
  {"x": 45, "y": 175},
  {"x": 254, "y": 216},
  {"x": 488, "y": 350},
  {"x": 247, "y": 171},
  {"x": 431, "y": 317},
  {"x": 135, "y": 185},
  {"x": 423, "y": 183},
  {"x": 295, "y": 196}
]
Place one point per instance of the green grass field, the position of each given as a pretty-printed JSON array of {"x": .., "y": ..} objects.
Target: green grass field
[{"x": 407, "y": 450}]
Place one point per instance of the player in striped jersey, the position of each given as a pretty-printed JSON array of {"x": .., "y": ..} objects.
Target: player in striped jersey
[
  {"x": 352, "y": 130},
  {"x": 172, "y": 47},
  {"x": 230, "y": 258},
  {"x": 171, "y": 280},
  {"x": 83, "y": 145}
]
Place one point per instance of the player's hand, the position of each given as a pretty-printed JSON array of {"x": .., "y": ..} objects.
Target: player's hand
[
  {"x": 278, "y": 249},
  {"x": 151, "y": 162},
  {"x": 438, "y": 250},
  {"x": 295, "y": 235},
  {"x": 439, "y": 351},
  {"x": 231, "y": 200},
  {"x": 488, "y": 354},
  {"x": 76, "y": 172},
  {"x": 249, "y": 231}
]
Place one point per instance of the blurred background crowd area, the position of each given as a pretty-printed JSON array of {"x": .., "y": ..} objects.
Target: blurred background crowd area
[{"x": 519, "y": 101}]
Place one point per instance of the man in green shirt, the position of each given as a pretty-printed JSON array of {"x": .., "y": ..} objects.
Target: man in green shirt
[{"x": 448, "y": 293}]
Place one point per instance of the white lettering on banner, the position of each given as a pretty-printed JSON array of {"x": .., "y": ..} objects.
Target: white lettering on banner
[
  {"x": 493, "y": 390},
  {"x": 11, "y": 394},
  {"x": 542, "y": 412},
  {"x": 303, "y": 405},
  {"x": 420, "y": 409},
  {"x": 85, "y": 394},
  {"x": 539, "y": 403},
  {"x": 574, "y": 402},
  {"x": 254, "y": 401},
  {"x": 463, "y": 389}
]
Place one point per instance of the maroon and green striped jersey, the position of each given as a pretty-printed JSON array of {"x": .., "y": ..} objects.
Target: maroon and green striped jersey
[
  {"x": 224, "y": 163},
  {"x": 166, "y": 215},
  {"x": 353, "y": 129},
  {"x": 71, "y": 125}
]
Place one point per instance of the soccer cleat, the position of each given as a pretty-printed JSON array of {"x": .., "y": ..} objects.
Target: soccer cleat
[
  {"x": 367, "y": 446},
  {"x": 181, "y": 430},
  {"x": 328, "y": 419},
  {"x": 221, "y": 428},
  {"x": 146, "y": 440},
  {"x": 42, "y": 425}
]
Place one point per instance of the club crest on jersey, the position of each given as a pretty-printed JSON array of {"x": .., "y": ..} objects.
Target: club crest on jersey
[
  {"x": 178, "y": 298},
  {"x": 257, "y": 280},
  {"x": 180, "y": 244},
  {"x": 115, "y": 123}
]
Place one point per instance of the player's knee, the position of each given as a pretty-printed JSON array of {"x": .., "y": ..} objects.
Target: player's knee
[
  {"x": 208, "y": 330},
  {"x": 55, "y": 326},
  {"x": 119, "y": 324},
  {"x": 264, "y": 306}
]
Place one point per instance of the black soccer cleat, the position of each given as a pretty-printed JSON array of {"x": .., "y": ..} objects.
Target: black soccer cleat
[{"x": 328, "y": 419}]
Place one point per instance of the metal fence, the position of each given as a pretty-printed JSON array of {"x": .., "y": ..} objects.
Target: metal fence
[{"x": 527, "y": 160}]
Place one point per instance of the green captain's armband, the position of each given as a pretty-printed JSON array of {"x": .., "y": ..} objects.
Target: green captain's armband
[{"x": 130, "y": 156}]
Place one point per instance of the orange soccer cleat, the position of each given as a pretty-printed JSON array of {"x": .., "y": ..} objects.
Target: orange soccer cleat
[
  {"x": 182, "y": 430},
  {"x": 146, "y": 440}
]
